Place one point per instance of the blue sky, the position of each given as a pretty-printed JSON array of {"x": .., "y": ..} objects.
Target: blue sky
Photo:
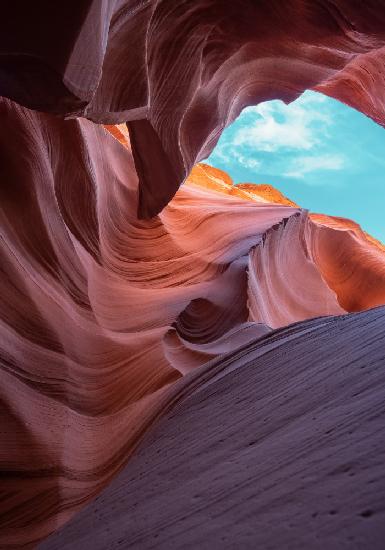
[{"x": 320, "y": 153}]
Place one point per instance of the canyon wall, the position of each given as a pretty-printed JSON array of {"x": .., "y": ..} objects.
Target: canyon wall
[
  {"x": 102, "y": 312},
  {"x": 180, "y": 72},
  {"x": 127, "y": 298},
  {"x": 278, "y": 444}
]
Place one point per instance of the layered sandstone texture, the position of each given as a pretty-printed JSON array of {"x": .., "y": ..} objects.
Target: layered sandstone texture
[
  {"x": 279, "y": 444},
  {"x": 246, "y": 330},
  {"x": 103, "y": 312},
  {"x": 180, "y": 71}
]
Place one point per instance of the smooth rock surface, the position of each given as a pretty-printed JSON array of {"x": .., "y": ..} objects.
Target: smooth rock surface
[{"x": 278, "y": 444}]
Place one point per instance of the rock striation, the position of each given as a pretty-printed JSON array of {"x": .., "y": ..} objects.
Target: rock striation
[
  {"x": 179, "y": 72},
  {"x": 248, "y": 331},
  {"x": 102, "y": 312},
  {"x": 259, "y": 450}
]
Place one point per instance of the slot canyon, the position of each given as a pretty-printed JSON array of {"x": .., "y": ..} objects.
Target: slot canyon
[{"x": 185, "y": 362}]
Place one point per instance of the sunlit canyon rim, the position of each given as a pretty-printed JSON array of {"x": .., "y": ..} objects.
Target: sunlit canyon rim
[{"x": 182, "y": 366}]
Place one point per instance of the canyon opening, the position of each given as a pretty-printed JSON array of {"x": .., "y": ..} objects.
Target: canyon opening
[{"x": 192, "y": 318}]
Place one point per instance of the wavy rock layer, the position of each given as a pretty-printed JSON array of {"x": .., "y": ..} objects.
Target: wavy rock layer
[
  {"x": 101, "y": 312},
  {"x": 179, "y": 72},
  {"x": 259, "y": 451}
]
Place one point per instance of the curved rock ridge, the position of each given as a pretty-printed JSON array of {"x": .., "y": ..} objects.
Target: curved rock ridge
[
  {"x": 285, "y": 284},
  {"x": 102, "y": 312},
  {"x": 213, "y": 178},
  {"x": 90, "y": 295},
  {"x": 277, "y": 444},
  {"x": 341, "y": 270},
  {"x": 357, "y": 271},
  {"x": 179, "y": 72},
  {"x": 267, "y": 192},
  {"x": 347, "y": 263}
]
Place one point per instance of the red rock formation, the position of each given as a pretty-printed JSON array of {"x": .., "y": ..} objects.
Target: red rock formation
[
  {"x": 285, "y": 283},
  {"x": 102, "y": 311},
  {"x": 278, "y": 444},
  {"x": 89, "y": 297},
  {"x": 179, "y": 72},
  {"x": 355, "y": 273},
  {"x": 341, "y": 270},
  {"x": 267, "y": 192}
]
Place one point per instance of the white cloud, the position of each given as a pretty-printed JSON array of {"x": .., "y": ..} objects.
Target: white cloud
[
  {"x": 248, "y": 162},
  {"x": 228, "y": 154},
  {"x": 278, "y": 126},
  {"x": 299, "y": 167},
  {"x": 283, "y": 140},
  {"x": 312, "y": 98}
]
